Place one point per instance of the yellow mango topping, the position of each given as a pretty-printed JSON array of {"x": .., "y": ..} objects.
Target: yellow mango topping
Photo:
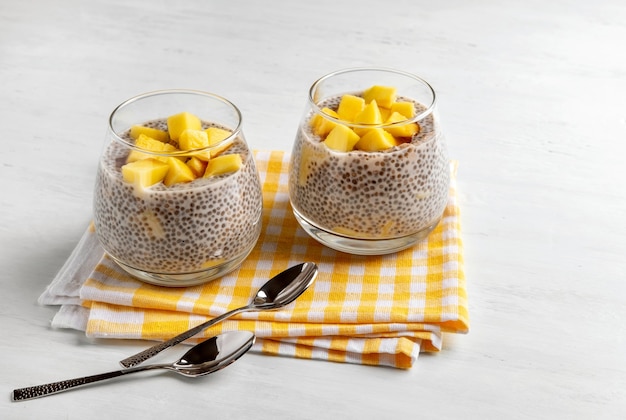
[
  {"x": 144, "y": 173},
  {"x": 405, "y": 108},
  {"x": 197, "y": 166},
  {"x": 177, "y": 172},
  {"x": 378, "y": 106},
  {"x": 349, "y": 107},
  {"x": 155, "y": 159},
  {"x": 178, "y": 123},
  {"x": 383, "y": 95},
  {"x": 384, "y": 113},
  {"x": 217, "y": 135},
  {"x": 375, "y": 140},
  {"x": 195, "y": 139},
  {"x": 191, "y": 139},
  {"x": 369, "y": 115},
  {"x": 148, "y": 143},
  {"x": 395, "y": 118},
  {"x": 405, "y": 130},
  {"x": 341, "y": 138},
  {"x": 155, "y": 133},
  {"x": 322, "y": 126},
  {"x": 223, "y": 164}
]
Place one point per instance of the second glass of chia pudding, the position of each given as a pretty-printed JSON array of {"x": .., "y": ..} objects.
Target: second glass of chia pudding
[
  {"x": 369, "y": 170},
  {"x": 178, "y": 199}
]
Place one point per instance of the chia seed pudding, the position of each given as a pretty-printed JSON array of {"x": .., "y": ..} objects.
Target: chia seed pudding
[
  {"x": 385, "y": 194},
  {"x": 181, "y": 229}
]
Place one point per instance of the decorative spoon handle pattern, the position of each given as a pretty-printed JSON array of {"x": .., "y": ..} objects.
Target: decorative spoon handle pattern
[{"x": 37, "y": 391}]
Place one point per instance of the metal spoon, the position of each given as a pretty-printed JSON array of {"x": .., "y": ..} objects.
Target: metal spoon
[
  {"x": 207, "y": 357},
  {"x": 279, "y": 291}
]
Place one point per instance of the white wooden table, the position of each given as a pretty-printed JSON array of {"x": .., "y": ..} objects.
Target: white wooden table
[{"x": 533, "y": 97}]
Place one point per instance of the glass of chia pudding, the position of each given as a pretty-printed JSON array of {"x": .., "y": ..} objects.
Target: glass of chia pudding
[
  {"x": 177, "y": 199},
  {"x": 369, "y": 170}
]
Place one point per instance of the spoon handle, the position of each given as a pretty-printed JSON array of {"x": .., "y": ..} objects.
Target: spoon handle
[
  {"x": 157, "y": 348},
  {"x": 37, "y": 391}
]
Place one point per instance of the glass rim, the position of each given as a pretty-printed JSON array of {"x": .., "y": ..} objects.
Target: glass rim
[
  {"x": 234, "y": 134},
  {"x": 430, "y": 108}
]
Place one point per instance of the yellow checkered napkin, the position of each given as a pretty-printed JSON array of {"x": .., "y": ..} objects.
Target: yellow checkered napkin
[{"x": 379, "y": 310}]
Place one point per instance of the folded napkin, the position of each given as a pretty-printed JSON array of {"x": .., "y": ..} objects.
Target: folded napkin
[{"x": 373, "y": 310}]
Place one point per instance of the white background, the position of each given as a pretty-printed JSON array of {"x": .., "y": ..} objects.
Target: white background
[{"x": 533, "y": 98}]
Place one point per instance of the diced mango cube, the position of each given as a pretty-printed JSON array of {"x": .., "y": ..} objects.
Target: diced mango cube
[
  {"x": 383, "y": 95},
  {"x": 349, "y": 107},
  {"x": 395, "y": 117},
  {"x": 148, "y": 143},
  {"x": 375, "y": 140},
  {"x": 384, "y": 113},
  {"x": 197, "y": 166},
  {"x": 178, "y": 123},
  {"x": 135, "y": 155},
  {"x": 401, "y": 130},
  {"x": 217, "y": 135},
  {"x": 193, "y": 139},
  {"x": 369, "y": 115},
  {"x": 322, "y": 126},
  {"x": 155, "y": 133},
  {"x": 341, "y": 138},
  {"x": 223, "y": 164},
  {"x": 405, "y": 108},
  {"x": 178, "y": 172},
  {"x": 145, "y": 172}
]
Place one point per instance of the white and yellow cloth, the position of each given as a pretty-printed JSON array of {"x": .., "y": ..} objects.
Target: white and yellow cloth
[{"x": 380, "y": 310}]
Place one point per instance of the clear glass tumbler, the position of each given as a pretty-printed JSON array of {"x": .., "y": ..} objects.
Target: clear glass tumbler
[
  {"x": 178, "y": 198},
  {"x": 379, "y": 182}
]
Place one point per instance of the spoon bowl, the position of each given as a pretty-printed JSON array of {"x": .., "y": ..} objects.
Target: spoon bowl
[
  {"x": 285, "y": 287},
  {"x": 279, "y": 291},
  {"x": 204, "y": 358},
  {"x": 213, "y": 354}
]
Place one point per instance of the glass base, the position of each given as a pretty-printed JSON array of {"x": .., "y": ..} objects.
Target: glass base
[
  {"x": 360, "y": 246},
  {"x": 185, "y": 279}
]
